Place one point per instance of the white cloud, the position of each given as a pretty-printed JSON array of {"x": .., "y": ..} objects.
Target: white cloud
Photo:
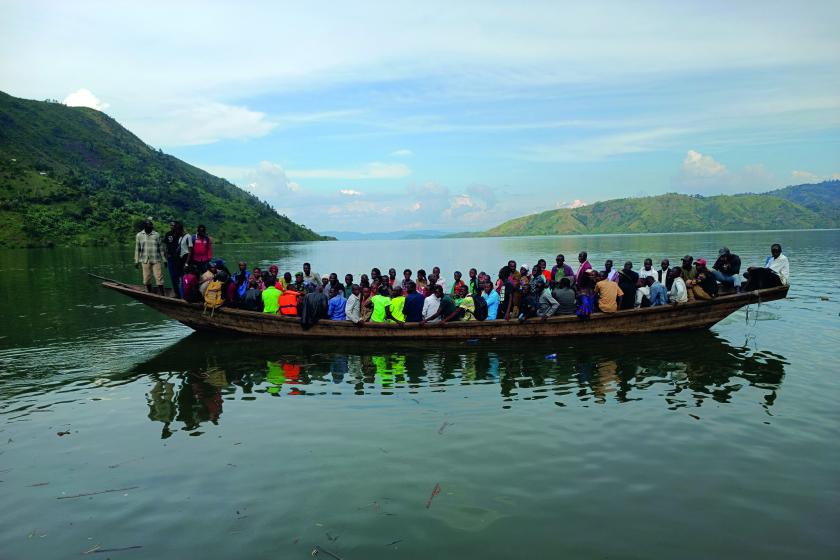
[
  {"x": 605, "y": 146},
  {"x": 800, "y": 177},
  {"x": 375, "y": 170},
  {"x": 576, "y": 203},
  {"x": 402, "y": 153},
  {"x": 697, "y": 165},
  {"x": 203, "y": 122},
  {"x": 85, "y": 98},
  {"x": 349, "y": 192}
]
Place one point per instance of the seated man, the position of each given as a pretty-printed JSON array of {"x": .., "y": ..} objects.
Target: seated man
[
  {"x": 609, "y": 295},
  {"x": 353, "y": 307},
  {"x": 628, "y": 280},
  {"x": 775, "y": 272},
  {"x": 337, "y": 304},
  {"x": 565, "y": 296},
  {"x": 547, "y": 306},
  {"x": 445, "y": 306},
  {"x": 528, "y": 302},
  {"x": 647, "y": 270},
  {"x": 679, "y": 291},
  {"x": 704, "y": 285},
  {"x": 727, "y": 269},
  {"x": 465, "y": 310},
  {"x": 397, "y": 304},
  {"x": 658, "y": 292},
  {"x": 413, "y": 307}
]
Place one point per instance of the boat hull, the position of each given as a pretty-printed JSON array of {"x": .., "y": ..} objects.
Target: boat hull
[{"x": 694, "y": 315}]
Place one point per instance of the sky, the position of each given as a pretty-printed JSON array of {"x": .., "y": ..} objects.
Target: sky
[{"x": 381, "y": 116}]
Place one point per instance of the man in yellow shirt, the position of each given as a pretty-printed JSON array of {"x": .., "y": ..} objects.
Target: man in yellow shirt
[{"x": 609, "y": 295}]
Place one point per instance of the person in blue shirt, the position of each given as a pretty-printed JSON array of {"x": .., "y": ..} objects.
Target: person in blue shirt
[
  {"x": 658, "y": 292},
  {"x": 491, "y": 296},
  {"x": 335, "y": 307},
  {"x": 413, "y": 308}
]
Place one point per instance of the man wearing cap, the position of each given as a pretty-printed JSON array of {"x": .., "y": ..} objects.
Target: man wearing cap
[
  {"x": 727, "y": 269},
  {"x": 704, "y": 285},
  {"x": 148, "y": 255}
]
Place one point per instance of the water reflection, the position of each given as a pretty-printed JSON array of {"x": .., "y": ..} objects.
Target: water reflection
[{"x": 196, "y": 377}]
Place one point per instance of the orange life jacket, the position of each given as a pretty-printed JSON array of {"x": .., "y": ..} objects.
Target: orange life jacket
[{"x": 288, "y": 303}]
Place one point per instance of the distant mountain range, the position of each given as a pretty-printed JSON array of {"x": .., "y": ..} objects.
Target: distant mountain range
[
  {"x": 75, "y": 176},
  {"x": 401, "y": 234},
  {"x": 809, "y": 206}
]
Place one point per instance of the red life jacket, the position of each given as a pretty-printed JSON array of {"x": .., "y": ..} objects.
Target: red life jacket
[{"x": 288, "y": 303}]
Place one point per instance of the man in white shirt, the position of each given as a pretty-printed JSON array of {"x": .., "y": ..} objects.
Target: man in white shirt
[
  {"x": 647, "y": 270},
  {"x": 775, "y": 272},
  {"x": 431, "y": 305},
  {"x": 353, "y": 307}
]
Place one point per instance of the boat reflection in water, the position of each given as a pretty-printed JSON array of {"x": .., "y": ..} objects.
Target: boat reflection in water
[{"x": 195, "y": 377}]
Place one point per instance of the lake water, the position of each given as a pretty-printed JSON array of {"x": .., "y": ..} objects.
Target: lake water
[{"x": 720, "y": 443}]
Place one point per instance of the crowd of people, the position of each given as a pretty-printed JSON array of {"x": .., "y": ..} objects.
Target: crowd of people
[{"x": 428, "y": 298}]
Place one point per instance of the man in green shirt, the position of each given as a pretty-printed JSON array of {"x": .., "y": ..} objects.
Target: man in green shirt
[
  {"x": 397, "y": 304},
  {"x": 270, "y": 298},
  {"x": 447, "y": 306}
]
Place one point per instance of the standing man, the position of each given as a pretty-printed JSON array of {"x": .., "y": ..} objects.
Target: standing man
[
  {"x": 353, "y": 307},
  {"x": 561, "y": 270},
  {"x": 491, "y": 296},
  {"x": 148, "y": 254},
  {"x": 647, "y": 270},
  {"x": 348, "y": 285},
  {"x": 172, "y": 249},
  {"x": 413, "y": 308},
  {"x": 609, "y": 273},
  {"x": 310, "y": 277},
  {"x": 584, "y": 266},
  {"x": 547, "y": 306},
  {"x": 727, "y": 268},
  {"x": 662, "y": 273},
  {"x": 628, "y": 281}
]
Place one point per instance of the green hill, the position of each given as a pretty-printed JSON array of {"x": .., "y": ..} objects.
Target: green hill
[
  {"x": 75, "y": 176},
  {"x": 798, "y": 207}
]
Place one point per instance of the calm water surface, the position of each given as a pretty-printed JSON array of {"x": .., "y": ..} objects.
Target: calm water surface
[{"x": 721, "y": 443}]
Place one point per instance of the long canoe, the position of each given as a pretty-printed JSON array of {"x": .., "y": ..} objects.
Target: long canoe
[{"x": 693, "y": 315}]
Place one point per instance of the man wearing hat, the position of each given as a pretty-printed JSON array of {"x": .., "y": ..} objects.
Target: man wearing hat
[
  {"x": 148, "y": 255},
  {"x": 727, "y": 269}
]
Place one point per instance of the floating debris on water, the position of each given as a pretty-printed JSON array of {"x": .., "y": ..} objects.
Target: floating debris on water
[{"x": 435, "y": 492}]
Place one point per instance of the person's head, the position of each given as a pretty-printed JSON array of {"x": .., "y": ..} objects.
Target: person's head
[
  {"x": 512, "y": 266},
  {"x": 775, "y": 250},
  {"x": 433, "y": 278},
  {"x": 375, "y": 273},
  {"x": 298, "y": 277},
  {"x": 523, "y": 270},
  {"x": 608, "y": 264},
  {"x": 179, "y": 227},
  {"x": 504, "y": 273},
  {"x": 421, "y": 274},
  {"x": 462, "y": 291},
  {"x": 396, "y": 291},
  {"x": 723, "y": 252},
  {"x": 686, "y": 261},
  {"x": 700, "y": 264},
  {"x": 628, "y": 265},
  {"x": 536, "y": 270},
  {"x": 649, "y": 281},
  {"x": 392, "y": 273},
  {"x": 457, "y": 275},
  {"x": 307, "y": 268},
  {"x": 665, "y": 264},
  {"x": 473, "y": 274},
  {"x": 211, "y": 266},
  {"x": 676, "y": 272},
  {"x": 355, "y": 289},
  {"x": 407, "y": 274},
  {"x": 348, "y": 279},
  {"x": 438, "y": 291},
  {"x": 333, "y": 292},
  {"x": 539, "y": 285},
  {"x": 266, "y": 278},
  {"x": 273, "y": 270},
  {"x": 436, "y": 271},
  {"x": 648, "y": 264},
  {"x": 333, "y": 278},
  {"x": 148, "y": 225},
  {"x": 242, "y": 266},
  {"x": 257, "y": 271},
  {"x": 325, "y": 280},
  {"x": 542, "y": 264},
  {"x": 384, "y": 290},
  {"x": 565, "y": 283},
  {"x": 366, "y": 292},
  {"x": 582, "y": 257},
  {"x": 560, "y": 260},
  {"x": 411, "y": 287},
  {"x": 202, "y": 230},
  {"x": 487, "y": 287},
  {"x": 287, "y": 276}
]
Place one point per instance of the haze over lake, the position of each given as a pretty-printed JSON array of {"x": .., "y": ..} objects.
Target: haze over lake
[{"x": 215, "y": 445}]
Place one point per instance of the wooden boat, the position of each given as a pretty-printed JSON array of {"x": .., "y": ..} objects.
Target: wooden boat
[{"x": 694, "y": 315}]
